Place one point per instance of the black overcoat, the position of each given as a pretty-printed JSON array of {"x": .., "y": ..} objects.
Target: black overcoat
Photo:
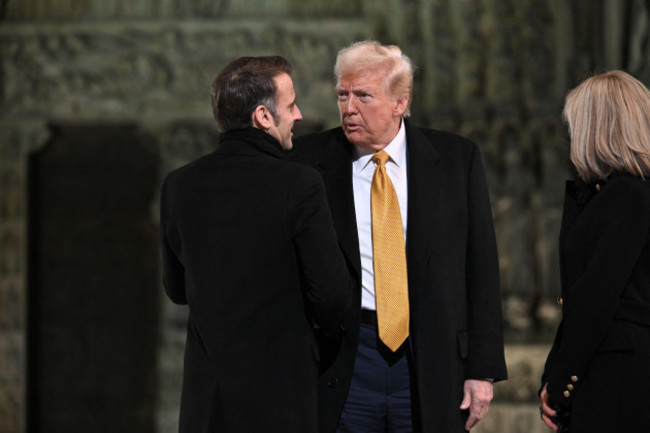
[
  {"x": 598, "y": 370},
  {"x": 248, "y": 243},
  {"x": 456, "y": 319}
]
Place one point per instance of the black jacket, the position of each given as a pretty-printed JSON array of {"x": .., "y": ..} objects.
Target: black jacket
[
  {"x": 456, "y": 321},
  {"x": 604, "y": 335},
  {"x": 248, "y": 243}
]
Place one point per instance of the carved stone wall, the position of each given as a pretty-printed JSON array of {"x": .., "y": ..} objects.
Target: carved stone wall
[
  {"x": 493, "y": 70},
  {"x": 155, "y": 71}
]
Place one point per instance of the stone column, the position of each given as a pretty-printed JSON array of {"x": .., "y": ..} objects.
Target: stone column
[{"x": 16, "y": 142}]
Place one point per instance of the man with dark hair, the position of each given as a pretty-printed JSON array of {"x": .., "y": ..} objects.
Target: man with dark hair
[{"x": 248, "y": 244}]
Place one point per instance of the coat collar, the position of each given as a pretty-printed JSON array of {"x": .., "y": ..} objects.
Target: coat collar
[
  {"x": 425, "y": 187},
  {"x": 249, "y": 141},
  {"x": 336, "y": 167},
  {"x": 581, "y": 192}
]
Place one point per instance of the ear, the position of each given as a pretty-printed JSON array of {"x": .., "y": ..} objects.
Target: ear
[
  {"x": 262, "y": 118},
  {"x": 401, "y": 104}
]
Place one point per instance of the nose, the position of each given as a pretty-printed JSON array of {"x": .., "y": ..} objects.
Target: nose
[
  {"x": 297, "y": 115},
  {"x": 350, "y": 105}
]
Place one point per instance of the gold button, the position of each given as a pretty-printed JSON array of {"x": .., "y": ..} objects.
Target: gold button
[
  {"x": 597, "y": 187},
  {"x": 567, "y": 394},
  {"x": 569, "y": 387},
  {"x": 559, "y": 301},
  {"x": 574, "y": 378}
]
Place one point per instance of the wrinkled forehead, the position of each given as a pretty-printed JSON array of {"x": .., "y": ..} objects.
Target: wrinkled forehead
[{"x": 363, "y": 77}]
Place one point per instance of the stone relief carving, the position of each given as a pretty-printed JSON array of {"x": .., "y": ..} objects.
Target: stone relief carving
[
  {"x": 184, "y": 141},
  {"x": 66, "y": 10},
  {"x": 164, "y": 72}
]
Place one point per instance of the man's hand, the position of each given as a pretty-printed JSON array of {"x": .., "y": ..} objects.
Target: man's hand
[
  {"x": 546, "y": 412},
  {"x": 477, "y": 397}
]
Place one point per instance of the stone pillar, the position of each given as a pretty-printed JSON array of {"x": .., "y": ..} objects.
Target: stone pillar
[{"x": 16, "y": 142}]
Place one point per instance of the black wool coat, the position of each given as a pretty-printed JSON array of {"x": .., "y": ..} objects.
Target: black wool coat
[
  {"x": 248, "y": 244},
  {"x": 598, "y": 369},
  {"x": 456, "y": 319}
]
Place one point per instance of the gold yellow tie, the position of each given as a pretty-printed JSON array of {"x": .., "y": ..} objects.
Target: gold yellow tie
[{"x": 389, "y": 256}]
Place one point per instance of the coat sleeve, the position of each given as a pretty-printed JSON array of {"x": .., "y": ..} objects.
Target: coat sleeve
[
  {"x": 173, "y": 269},
  {"x": 486, "y": 348},
  {"x": 325, "y": 278},
  {"x": 620, "y": 231}
]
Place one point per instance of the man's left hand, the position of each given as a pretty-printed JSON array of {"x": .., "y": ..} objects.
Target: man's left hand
[{"x": 477, "y": 396}]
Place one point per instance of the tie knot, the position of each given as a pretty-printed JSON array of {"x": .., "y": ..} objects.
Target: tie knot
[{"x": 380, "y": 157}]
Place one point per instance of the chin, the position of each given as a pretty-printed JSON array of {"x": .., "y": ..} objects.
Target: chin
[{"x": 353, "y": 137}]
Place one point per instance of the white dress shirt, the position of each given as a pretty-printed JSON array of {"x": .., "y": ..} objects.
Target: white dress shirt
[{"x": 362, "y": 171}]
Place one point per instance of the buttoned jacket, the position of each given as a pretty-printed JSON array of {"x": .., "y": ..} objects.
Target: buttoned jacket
[
  {"x": 605, "y": 277},
  {"x": 453, "y": 276}
]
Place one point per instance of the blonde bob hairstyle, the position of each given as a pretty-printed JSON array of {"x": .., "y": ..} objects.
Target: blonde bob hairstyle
[
  {"x": 609, "y": 123},
  {"x": 371, "y": 55}
]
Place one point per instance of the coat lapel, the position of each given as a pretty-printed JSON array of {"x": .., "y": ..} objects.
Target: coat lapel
[
  {"x": 425, "y": 183},
  {"x": 337, "y": 175}
]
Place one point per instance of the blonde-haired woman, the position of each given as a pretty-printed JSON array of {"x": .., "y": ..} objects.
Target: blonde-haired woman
[{"x": 597, "y": 375}]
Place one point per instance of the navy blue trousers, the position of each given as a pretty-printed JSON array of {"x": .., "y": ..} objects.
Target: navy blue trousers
[{"x": 379, "y": 400}]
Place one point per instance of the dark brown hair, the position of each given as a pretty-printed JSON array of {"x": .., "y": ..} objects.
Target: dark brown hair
[{"x": 242, "y": 86}]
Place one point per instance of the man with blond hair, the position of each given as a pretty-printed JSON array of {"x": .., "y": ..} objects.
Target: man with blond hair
[{"x": 411, "y": 208}]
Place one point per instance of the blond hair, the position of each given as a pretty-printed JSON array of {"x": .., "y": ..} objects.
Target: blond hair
[
  {"x": 609, "y": 123},
  {"x": 371, "y": 55}
]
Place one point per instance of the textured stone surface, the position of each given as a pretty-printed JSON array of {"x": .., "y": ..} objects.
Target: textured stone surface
[
  {"x": 512, "y": 418},
  {"x": 172, "y": 350},
  {"x": 65, "y": 10},
  {"x": 11, "y": 303},
  {"x": 160, "y": 70},
  {"x": 12, "y": 403},
  {"x": 525, "y": 367},
  {"x": 12, "y": 385}
]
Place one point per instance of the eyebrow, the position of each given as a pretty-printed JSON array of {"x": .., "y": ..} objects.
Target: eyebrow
[{"x": 356, "y": 90}]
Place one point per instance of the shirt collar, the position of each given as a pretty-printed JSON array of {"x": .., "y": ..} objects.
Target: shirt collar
[{"x": 396, "y": 149}]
